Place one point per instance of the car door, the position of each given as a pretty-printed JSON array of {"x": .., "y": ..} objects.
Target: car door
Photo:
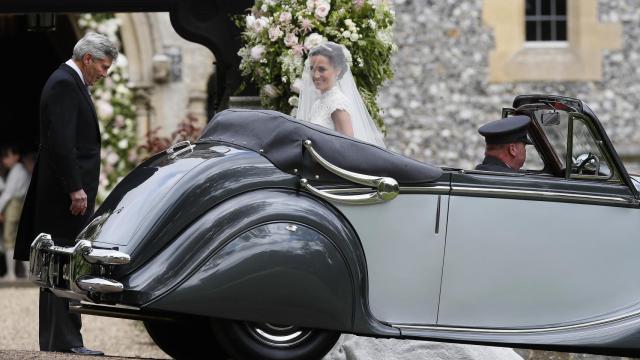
[
  {"x": 536, "y": 251},
  {"x": 403, "y": 241}
]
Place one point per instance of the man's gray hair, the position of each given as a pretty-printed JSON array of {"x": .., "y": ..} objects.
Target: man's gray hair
[{"x": 98, "y": 45}]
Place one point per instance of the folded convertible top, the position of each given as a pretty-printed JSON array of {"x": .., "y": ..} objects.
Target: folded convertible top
[{"x": 280, "y": 138}]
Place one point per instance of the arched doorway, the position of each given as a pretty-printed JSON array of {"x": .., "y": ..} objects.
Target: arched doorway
[{"x": 29, "y": 58}]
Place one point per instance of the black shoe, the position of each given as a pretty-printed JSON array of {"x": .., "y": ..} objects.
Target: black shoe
[{"x": 84, "y": 351}]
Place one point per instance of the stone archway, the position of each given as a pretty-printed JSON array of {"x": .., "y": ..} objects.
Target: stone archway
[{"x": 160, "y": 100}]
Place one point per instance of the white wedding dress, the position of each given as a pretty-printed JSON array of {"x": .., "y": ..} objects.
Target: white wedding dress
[{"x": 326, "y": 104}]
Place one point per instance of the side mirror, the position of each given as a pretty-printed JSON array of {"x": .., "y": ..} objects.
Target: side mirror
[{"x": 552, "y": 118}]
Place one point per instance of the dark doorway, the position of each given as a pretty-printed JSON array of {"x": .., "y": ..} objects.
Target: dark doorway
[{"x": 29, "y": 58}]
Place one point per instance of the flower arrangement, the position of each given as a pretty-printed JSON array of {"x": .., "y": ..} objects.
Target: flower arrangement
[
  {"x": 188, "y": 129},
  {"x": 114, "y": 107},
  {"x": 278, "y": 34}
]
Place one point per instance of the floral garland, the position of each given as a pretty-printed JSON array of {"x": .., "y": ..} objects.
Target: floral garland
[
  {"x": 115, "y": 110},
  {"x": 278, "y": 34}
]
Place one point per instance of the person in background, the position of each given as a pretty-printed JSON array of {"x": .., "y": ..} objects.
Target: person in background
[{"x": 11, "y": 201}]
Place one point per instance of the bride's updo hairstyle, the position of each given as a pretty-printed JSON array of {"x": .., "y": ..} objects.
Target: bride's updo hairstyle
[{"x": 335, "y": 54}]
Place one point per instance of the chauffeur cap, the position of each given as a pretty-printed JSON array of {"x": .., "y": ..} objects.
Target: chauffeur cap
[{"x": 507, "y": 130}]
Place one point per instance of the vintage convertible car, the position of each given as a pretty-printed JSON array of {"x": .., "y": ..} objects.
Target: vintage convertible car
[{"x": 269, "y": 237}]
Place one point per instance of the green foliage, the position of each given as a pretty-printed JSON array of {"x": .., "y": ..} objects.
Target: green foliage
[{"x": 278, "y": 34}]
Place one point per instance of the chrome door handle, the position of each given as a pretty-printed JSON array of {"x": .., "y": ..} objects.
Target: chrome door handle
[{"x": 386, "y": 188}]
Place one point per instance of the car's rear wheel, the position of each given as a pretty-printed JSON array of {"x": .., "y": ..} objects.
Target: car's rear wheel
[
  {"x": 185, "y": 338},
  {"x": 249, "y": 341}
]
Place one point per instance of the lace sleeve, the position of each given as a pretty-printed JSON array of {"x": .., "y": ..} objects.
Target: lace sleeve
[{"x": 339, "y": 102}]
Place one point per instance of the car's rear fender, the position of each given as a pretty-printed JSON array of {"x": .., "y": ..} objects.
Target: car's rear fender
[{"x": 272, "y": 255}]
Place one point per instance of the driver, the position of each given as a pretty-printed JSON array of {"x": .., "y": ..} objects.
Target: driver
[{"x": 505, "y": 144}]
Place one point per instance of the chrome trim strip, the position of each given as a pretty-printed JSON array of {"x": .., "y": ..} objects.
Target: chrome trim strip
[
  {"x": 438, "y": 189},
  {"x": 403, "y": 189},
  {"x": 463, "y": 190},
  {"x": 517, "y": 331},
  {"x": 110, "y": 306}
]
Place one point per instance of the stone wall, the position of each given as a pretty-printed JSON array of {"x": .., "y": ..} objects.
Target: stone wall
[{"x": 440, "y": 94}]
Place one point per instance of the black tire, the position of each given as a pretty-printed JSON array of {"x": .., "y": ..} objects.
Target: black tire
[
  {"x": 189, "y": 338},
  {"x": 260, "y": 341}
]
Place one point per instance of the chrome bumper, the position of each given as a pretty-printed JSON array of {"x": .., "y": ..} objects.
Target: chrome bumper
[{"x": 76, "y": 272}]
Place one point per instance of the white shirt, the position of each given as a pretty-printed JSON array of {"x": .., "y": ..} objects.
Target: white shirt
[
  {"x": 75, "y": 67},
  {"x": 17, "y": 185}
]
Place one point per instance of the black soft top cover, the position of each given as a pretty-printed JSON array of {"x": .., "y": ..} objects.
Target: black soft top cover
[{"x": 280, "y": 138}]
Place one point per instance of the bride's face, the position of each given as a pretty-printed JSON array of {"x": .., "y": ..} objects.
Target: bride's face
[{"x": 324, "y": 75}]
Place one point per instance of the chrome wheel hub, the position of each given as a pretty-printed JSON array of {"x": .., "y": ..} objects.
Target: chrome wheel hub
[{"x": 278, "y": 335}]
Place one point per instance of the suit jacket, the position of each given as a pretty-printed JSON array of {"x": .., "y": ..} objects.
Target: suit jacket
[
  {"x": 68, "y": 160},
  {"x": 492, "y": 164}
]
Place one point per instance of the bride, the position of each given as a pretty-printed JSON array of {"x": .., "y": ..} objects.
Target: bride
[{"x": 329, "y": 96}]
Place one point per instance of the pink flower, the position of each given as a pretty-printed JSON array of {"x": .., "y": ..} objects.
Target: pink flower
[
  {"x": 275, "y": 33},
  {"x": 285, "y": 17},
  {"x": 257, "y": 52},
  {"x": 358, "y": 3},
  {"x": 306, "y": 25},
  {"x": 271, "y": 91},
  {"x": 311, "y": 4},
  {"x": 291, "y": 40},
  {"x": 298, "y": 50},
  {"x": 322, "y": 9}
]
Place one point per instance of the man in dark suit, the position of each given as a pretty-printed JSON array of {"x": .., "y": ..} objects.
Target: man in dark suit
[
  {"x": 64, "y": 184},
  {"x": 505, "y": 144}
]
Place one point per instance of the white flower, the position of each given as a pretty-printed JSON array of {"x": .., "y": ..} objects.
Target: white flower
[
  {"x": 123, "y": 144},
  {"x": 350, "y": 25},
  {"x": 122, "y": 61},
  {"x": 290, "y": 40},
  {"x": 313, "y": 40},
  {"x": 285, "y": 17},
  {"x": 372, "y": 24},
  {"x": 271, "y": 91},
  {"x": 112, "y": 158},
  {"x": 104, "y": 109},
  {"x": 322, "y": 9},
  {"x": 293, "y": 101},
  {"x": 346, "y": 34},
  {"x": 260, "y": 24},
  {"x": 275, "y": 33},
  {"x": 311, "y": 4},
  {"x": 257, "y": 52},
  {"x": 296, "y": 85},
  {"x": 354, "y": 37},
  {"x": 264, "y": 8},
  {"x": 250, "y": 21}
]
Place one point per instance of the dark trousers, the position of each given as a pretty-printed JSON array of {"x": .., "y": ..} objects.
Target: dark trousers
[{"x": 59, "y": 329}]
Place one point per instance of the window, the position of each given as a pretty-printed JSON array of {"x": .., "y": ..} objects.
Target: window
[{"x": 546, "y": 20}]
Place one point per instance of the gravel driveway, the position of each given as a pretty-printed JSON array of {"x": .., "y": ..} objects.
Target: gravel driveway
[{"x": 19, "y": 331}]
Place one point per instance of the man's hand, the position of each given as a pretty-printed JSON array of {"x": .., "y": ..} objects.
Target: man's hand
[{"x": 78, "y": 202}]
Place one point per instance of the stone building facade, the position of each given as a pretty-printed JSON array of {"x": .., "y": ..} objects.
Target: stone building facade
[
  {"x": 459, "y": 62},
  {"x": 168, "y": 74}
]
